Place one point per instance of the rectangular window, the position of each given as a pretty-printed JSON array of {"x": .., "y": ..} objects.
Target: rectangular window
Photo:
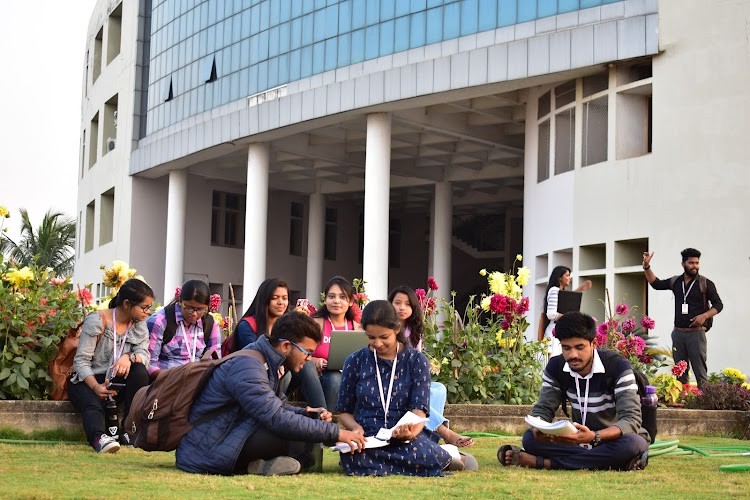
[
  {"x": 114, "y": 28},
  {"x": 106, "y": 216},
  {"x": 296, "y": 226},
  {"x": 565, "y": 126},
  {"x": 595, "y": 131},
  {"x": 93, "y": 138},
  {"x": 228, "y": 220},
  {"x": 543, "y": 152},
  {"x": 329, "y": 251},
  {"x": 109, "y": 130},
  {"x": 83, "y": 151},
  {"x": 90, "y": 213},
  {"x": 97, "y": 53}
]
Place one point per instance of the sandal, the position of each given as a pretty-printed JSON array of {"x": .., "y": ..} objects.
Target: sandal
[{"x": 515, "y": 458}]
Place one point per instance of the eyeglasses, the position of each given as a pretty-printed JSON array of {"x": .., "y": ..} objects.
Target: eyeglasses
[
  {"x": 194, "y": 310},
  {"x": 145, "y": 309},
  {"x": 302, "y": 349}
]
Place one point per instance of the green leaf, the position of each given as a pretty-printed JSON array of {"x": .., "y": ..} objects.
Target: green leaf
[
  {"x": 22, "y": 382},
  {"x": 25, "y": 372},
  {"x": 18, "y": 359},
  {"x": 5, "y": 373}
]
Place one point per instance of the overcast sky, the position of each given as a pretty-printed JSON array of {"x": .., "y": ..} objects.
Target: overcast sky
[{"x": 42, "y": 49}]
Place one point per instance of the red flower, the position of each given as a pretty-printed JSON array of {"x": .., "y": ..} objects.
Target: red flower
[
  {"x": 431, "y": 283},
  {"x": 601, "y": 338},
  {"x": 43, "y": 301},
  {"x": 214, "y": 302},
  {"x": 177, "y": 292},
  {"x": 523, "y": 306},
  {"x": 85, "y": 297},
  {"x": 679, "y": 368},
  {"x": 621, "y": 309},
  {"x": 648, "y": 323},
  {"x": 498, "y": 303},
  {"x": 357, "y": 312}
]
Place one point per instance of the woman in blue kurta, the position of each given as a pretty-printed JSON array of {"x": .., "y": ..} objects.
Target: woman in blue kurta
[{"x": 363, "y": 405}]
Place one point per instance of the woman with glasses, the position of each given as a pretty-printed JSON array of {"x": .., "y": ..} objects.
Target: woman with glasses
[
  {"x": 321, "y": 386},
  {"x": 111, "y": 362},
  {"x": 182, "y": 331}
]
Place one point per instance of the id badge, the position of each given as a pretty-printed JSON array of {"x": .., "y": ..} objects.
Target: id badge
[
  {"x": 684, "y": 308},
  {"x": 384, "y": 434}
]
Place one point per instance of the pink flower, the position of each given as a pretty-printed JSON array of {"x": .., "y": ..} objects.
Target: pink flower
[
  {"x": 646, "y": 359},
  {"x": 679, "y": 368},
  {"x": 214, "y": 303},
  {"x": 430, "y": 305},
  {"x": 523, "y": 306},
  {"x": 601, "y": 339},
  {"x": 621, "y": 309},
  {"x": 648, "y": 323},
  {"x": 57, "y": 281},
  {"x": 177, "y": 292},
  {"x": 602, "y": 329},
  {"x": 357, "y": 312},
  {"x": 85, "y": 297},
  {"x": 43, "y": 301},
  {"x": 431, "y": 283},
  {"x": 421, "y": 293},
  {"x": 628, "y": 325}
]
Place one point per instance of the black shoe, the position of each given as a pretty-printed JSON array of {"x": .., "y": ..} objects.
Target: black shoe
[{"x": 125, "y": 439}]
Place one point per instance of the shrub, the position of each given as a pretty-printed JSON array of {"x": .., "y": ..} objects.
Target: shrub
[{"x": 721, "y": 396}]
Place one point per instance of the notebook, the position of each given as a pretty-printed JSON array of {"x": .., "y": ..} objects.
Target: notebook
[
  {"x": 343, "y": 343},
  {"x": 568, "y": 301}
]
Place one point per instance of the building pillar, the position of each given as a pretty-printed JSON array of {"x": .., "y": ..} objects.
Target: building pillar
[
  {"x": 377, "y": 200},
  {"x": 256, "y": 210},
  {"x": 441, "y": 240},
  {"x": 174, "y": 260},
  {"x": 315, "y": 246}
]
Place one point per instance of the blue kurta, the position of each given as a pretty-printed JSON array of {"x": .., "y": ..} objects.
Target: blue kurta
[{"x": 359, "y": 395}]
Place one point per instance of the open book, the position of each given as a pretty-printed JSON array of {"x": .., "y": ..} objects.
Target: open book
[
  {"x": 558, "y": 428},
  {"x": 382, "y": 440}
]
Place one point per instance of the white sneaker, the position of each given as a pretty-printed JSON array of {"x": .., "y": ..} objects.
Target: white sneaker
[{"x": 107, "y": 444}]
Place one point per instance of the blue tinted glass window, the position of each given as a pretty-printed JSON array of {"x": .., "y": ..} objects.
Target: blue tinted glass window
[
  {"x": 417, "y": 35},
  {"x": 345, "y": 50},
  {"x": 244, "y": 56},
  {"x": 358, "y": 46},
  {"x": 296, "y": 9},
  {"x": 345, "y": 16},
  {"x": 546, "y": 8},
  {"x": 245, "y": 24},
  {"x": 284, "y": 38},
  {"x": 254, "y": 49},
  {"x": 211, "y": 12},
  {"x": 252, "y": 84},
  {"x": 372, "y": 43},
  {"x": 307, "y": 6},
  {"x": 296, "y": 33},
  {"x": 263, "y": 45},
  {"x": 402, "y": 34},
  {"x": 526, "y": 11},
  {"x": 332, "y": 21},
  {"x": 319, "y": 4},
  {"x": 234, "y": 87},
  {"x": 506, "y": 12},
  {"x": 567, "y": 6},
  {"x": 295, "y": 65},
  {"x": 434, "y": 3},
  {"x": 226, "y": 58},
  {"x": 590, "y": 3},
  {"x": 373, "y": 12},
  {"x": 386, "y": 38},
  {"x": 263, "y": 76},
  {"x": 255, "y": 19},
  {"x": 265, "y": 16},
  {"x": 235, "y": 57},
  {"x": 331, "y": 54},
  {"x": 307, "y": 29},
  {"x": 227, "y": 32},
  {"x": 306, "y": 60},
  {"x": 275, "y": 11},
  {"x": 487, "y": 15},
  {"x": 402, "y": 8},
  {"x": 273, "y": 72},
  {"x": 273, "y": 41},
  {"x": 387, "y": 9},
  {"x": 283, "y": 69},
  {"x": 245, "y": 82},
  {"x": 319, "y": 25},
  {"x": 451, "y": 21},
  {"x": 435, "y": 25},
  {"x": 358, "y": 13},
  {"x": 236, "y": 28},
  {"x": 418, "y": 5},
  {"x": 469, "y": 17},
  {"x": 211, "y": 42},
  {"x": 285, "y": 12}
]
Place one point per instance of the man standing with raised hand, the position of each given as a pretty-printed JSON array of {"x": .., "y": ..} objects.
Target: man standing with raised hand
[{"x": 696, "y": 301}]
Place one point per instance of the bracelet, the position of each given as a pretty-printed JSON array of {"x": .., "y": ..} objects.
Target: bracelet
[
  {"x": 597, "y": 440},
  {"x": 646, "y": 268}
]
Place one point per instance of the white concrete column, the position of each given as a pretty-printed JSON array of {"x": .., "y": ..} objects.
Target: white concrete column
[
  {"x": 174, "y": 261},
  {"x": 256, "y": 216},
  {"x": 377, "y": 199},
  {"x": 315, "y": 245},
  {"x": 442, "y": 237}
]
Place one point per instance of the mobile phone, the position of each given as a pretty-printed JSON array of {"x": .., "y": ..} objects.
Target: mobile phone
[
  {"x": 316, "y": 414},
  {"x": 303, "y": 303},
  {"x": 115, "y": 385}
]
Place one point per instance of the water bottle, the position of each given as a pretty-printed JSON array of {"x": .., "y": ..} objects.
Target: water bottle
[
  {"x": 111, "y": 418},
  {"x": 650, "y": 399}
]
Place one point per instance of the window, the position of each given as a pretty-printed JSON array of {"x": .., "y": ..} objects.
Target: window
[
  {"x": 93, "y": 137},
  {"x": 565, "y": 128},
  {"x": 109, "y": 128},
  {"x": 331, "y": 227},
  {"x": 90, "y": 212},
  {"x": 543, "y": 151},
  {"x": 228, "y": 220},
  {"x": 634, "y": 110},
  {"x": 296, "y": 225},
  {"x": 106, "y": 216},
  {"x": 114, "y": 28},
  {"x": 595, "y": 133},
  {"x": 83, "y": 151},
  {"x": 97, "y": 70}
]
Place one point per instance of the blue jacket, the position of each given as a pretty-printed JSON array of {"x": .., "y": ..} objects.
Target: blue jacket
[{"x": 249, "y": 389}]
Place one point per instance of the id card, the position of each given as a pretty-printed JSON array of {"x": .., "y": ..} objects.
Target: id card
[
  {"x": 684, "y": 308},
  {"x": 384, "y": 434}
]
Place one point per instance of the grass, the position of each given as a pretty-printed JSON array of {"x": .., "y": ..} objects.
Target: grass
[{"x": 63, "y": 470}]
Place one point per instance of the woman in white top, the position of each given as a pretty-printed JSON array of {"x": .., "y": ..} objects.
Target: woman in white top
[{"x": 558, "y": 280}]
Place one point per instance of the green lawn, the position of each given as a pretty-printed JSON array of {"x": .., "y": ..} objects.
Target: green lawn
[{"x": 54, "y": 471}]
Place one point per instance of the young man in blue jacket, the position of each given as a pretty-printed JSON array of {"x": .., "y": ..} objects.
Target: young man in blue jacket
[
  {"x": 606, "y": 409},
  {"x": 242, "y": 423}
]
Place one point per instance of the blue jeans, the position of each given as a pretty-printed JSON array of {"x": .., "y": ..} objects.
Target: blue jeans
[
  {"x": 438, "y": 397},
  {"x": 321, "y": 391}
]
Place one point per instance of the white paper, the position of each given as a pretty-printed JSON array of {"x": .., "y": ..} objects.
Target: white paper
[
  {"x": 372, "y": 442},
  {"x": 559, "y": 428}
]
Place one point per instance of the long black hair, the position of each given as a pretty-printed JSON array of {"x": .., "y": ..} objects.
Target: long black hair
[
  {"x": 554, "y": 280},
  {"x": 413, "y": 322},
  {"x": 196, "y": 290},
  {"x": 259, "y": 307},
  {"x": 134, "y": 291},
  {"x": 382, "y": 313},
  {"x": 348, "y": 290}
]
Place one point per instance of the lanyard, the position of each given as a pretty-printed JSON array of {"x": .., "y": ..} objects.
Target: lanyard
[
  {"x": 385, "y": 402},
  {"x": 195, "y": 339},
  {"x": 584, "y": 407},
  {"x": 346, "y": 324},
  {"x": 684, "y": 293},
  {"x": 115, "y": 354}
]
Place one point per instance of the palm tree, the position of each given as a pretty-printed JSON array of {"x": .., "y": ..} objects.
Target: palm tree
[{"x": 51, "y": 245}]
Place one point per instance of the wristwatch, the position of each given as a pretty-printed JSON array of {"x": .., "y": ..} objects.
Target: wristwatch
[
  {"x": 132, "y": 358},
  {"x": 597, "y": 440}
]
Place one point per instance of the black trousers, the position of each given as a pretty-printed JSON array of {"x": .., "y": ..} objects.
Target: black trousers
[
  {"x": 91, "y": 407},
  {"x": 265, "y": 444},
  {"x": 617, "y": 454},
  {"x": 691, "y": 347}
]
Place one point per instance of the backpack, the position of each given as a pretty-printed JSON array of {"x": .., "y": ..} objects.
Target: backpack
[
  {"x": 61, "y": 366},
  {"x": 158, "y": 417},
  {"x": 171, "y": 327},
  {"x": 703, "y": 285},
  {"x": 230, "y": 343},
  {"x": 610, "y": 360}
]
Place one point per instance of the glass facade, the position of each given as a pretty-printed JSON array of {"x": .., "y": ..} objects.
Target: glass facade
[{"x": 212, "y": 52}]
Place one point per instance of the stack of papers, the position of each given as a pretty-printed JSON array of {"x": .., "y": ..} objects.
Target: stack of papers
[
  {"x": 559, "y": 428},
  {"x": 384, "y": 435}
]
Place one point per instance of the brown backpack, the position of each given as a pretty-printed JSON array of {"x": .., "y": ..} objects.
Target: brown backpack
[
  {"x": 158, "y": 417},
  {"x": 61, "y": 366}
]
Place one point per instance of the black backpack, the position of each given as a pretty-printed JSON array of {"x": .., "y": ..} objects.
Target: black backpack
[
  {"x": 703, "y": 285},
  {"x": 610, "y": 360},
  {"x": 171, "y": 327}
]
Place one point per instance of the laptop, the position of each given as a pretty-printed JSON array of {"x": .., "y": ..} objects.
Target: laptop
[
  {"x": 343, "y": 343},
  {"x": 568, "y": 301}
]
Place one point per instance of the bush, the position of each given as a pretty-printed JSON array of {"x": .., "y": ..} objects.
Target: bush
[{"x": 721, "y": 396}]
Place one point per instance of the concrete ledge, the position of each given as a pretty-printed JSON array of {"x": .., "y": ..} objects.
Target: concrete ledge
[{"x": 28, "y": 416}]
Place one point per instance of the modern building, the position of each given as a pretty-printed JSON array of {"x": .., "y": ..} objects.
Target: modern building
[{"x": 396, "y": 139}]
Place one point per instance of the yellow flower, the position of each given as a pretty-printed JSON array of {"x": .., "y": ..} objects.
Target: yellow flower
[
  {"x": 483, "y": 272},
  {"x": 486, "y": 303},
  {"x": 434, "y": 366},
  {"x": 519, "y": 257},
  {"x": 523, "y": 275},
  {"x": 4, "y": 211},
  {"x": 746, "y": 386},
  {"x": 505, "y": 343},
  {"x": 219, "y": 319},
  {"x": 734, "y": 373},
  {"x": 497, "y": 282},
  {"x": 104, "y": 304},
  {"x": 19, "y": 277}
]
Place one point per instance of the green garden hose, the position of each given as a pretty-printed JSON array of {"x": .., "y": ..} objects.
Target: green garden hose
[{"x": 735, "y": 468}]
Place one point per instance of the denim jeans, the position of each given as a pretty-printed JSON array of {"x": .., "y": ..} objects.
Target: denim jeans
[{"x": 320, "y": 390}]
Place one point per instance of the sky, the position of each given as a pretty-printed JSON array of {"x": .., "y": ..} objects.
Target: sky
[{"x": 42, "y": 49}]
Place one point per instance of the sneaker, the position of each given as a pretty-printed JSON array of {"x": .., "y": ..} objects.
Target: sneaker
[
  {"x": 279, "y": 466},
  {"x": 106, "y": 444}
]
